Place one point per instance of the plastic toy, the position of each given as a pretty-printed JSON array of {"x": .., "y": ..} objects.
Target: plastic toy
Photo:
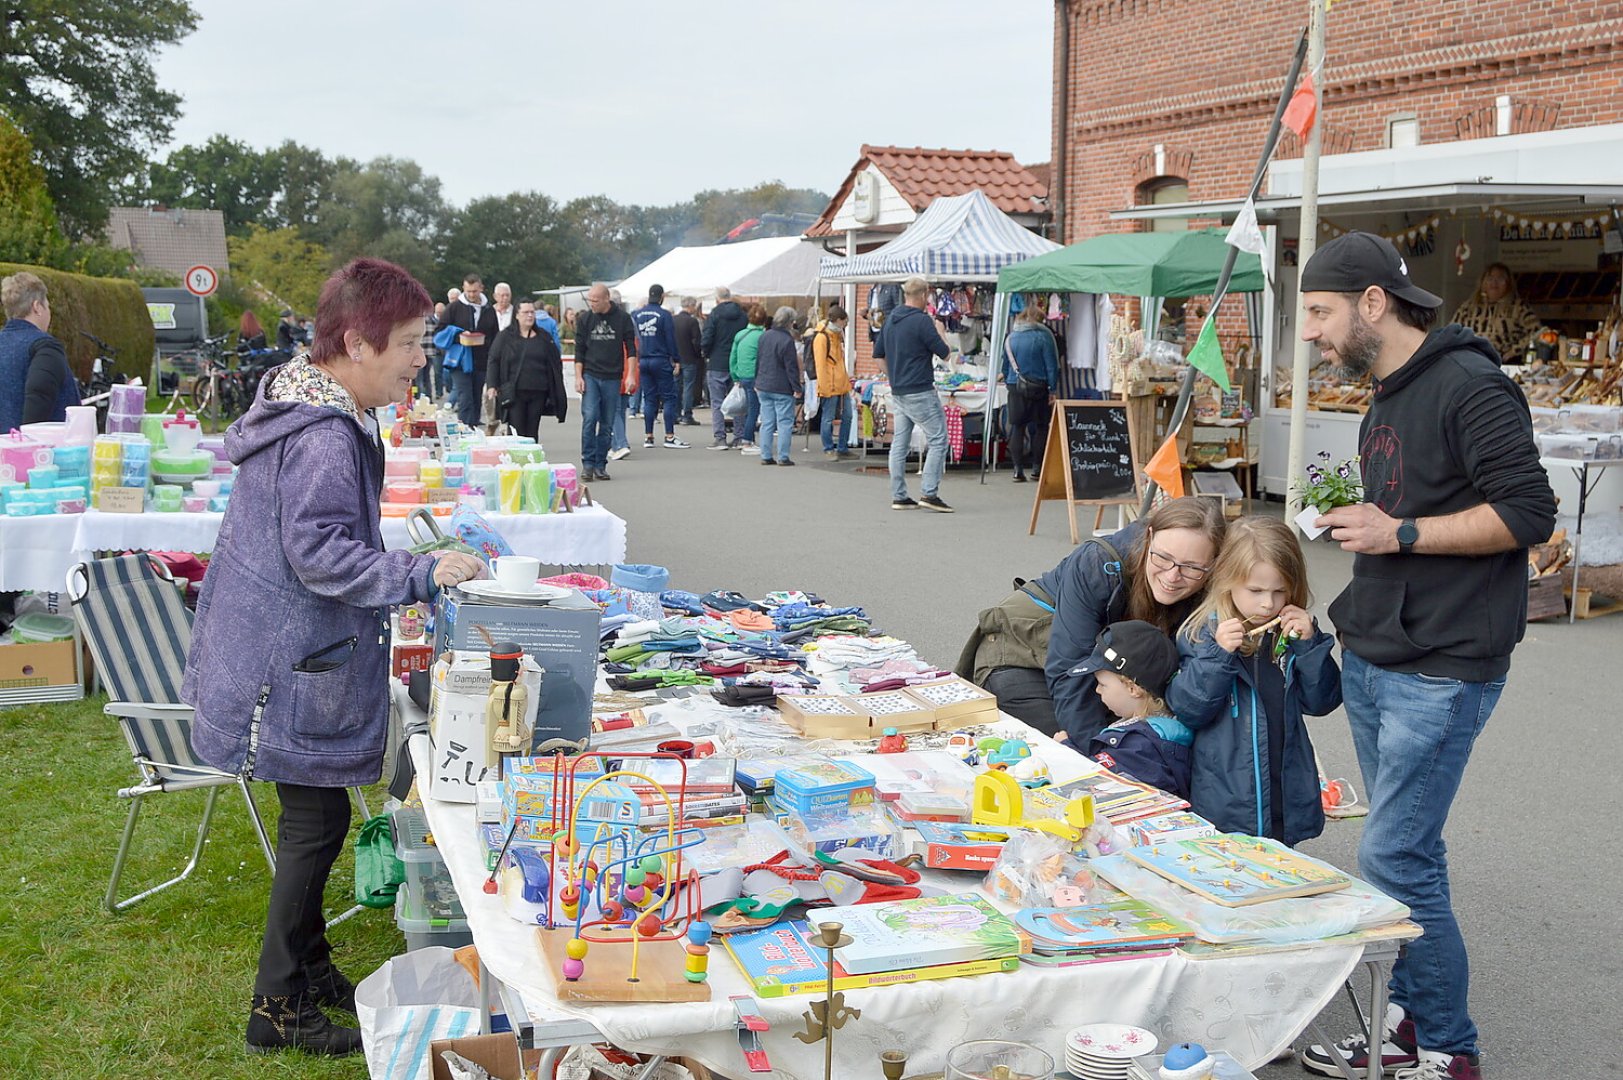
[
  {"x": 893, "y": 742},
  {"x": 999, "y": 800},
  {"x": 504, "y": 709},
  {"x": 1014, "y": 756}
]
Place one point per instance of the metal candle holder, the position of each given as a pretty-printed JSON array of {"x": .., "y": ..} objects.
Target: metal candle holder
[{"x": 826, "y": 1016}]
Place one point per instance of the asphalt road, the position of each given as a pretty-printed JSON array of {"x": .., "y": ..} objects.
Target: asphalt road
[{"x": 1534, "y": 849}]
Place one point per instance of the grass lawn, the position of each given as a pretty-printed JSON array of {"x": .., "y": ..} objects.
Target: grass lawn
[{"x": 161, "y": 990}]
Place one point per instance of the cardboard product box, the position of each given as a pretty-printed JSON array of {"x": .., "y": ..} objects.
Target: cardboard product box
[
  {"x": 955, "y": 701},
  {"x": 39, "y": 671},
  {"x": 498, "y": 1055},
  {"x": 457, "y": 724},
  {"x": 561, "y": 636},
  {"x": 404, "y": 659}
]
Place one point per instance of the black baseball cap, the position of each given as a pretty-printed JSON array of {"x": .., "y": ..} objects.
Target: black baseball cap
[
  {"x": 1354, "y": 261},
  {"x": 1134, "y": 650},
  {"x": 656, "y": 294}
]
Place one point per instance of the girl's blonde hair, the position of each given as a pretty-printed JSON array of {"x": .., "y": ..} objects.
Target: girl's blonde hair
[{"x": 1251, "y": 540}]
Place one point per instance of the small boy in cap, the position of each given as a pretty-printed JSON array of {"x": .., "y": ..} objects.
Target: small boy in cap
[{"x": 1132, "y": 663}]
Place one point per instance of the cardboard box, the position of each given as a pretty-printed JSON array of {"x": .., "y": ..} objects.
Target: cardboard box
[
  {"x": 42, "y": 671},
  {"x": 498, "y": 1055},
  {"x": 457, "y": 725},
  {"x": 404, "y": 659},
  {"x": 561, "y": 636}
]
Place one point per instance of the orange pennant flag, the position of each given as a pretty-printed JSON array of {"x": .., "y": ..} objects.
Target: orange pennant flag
[
  {"x": 1166, "y": 468},
  {"x": 1303, "y": 108}
]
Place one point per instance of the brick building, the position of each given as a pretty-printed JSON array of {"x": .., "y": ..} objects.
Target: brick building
[{"x": 1465, "y": 131}]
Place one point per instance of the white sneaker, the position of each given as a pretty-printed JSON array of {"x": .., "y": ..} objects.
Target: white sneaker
[
  {"x": 617, "y": 455},
  {"x": 750, "y": 449},
  {"x": 675, "y": 444}
]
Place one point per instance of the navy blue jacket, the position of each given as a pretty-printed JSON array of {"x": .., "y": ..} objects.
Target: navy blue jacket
[
  {"x": 906, "y": 342},
  {"x": 1213, "y": 694},
  {"x": 1089, "y": 593},
  {"x": 36, "y": 384},
  {"x": 1035, "y": 352},
  {"x": 656, "y": 333},
  {"x": 777, "y": 364},
  {"x": 716, "y": 340}
]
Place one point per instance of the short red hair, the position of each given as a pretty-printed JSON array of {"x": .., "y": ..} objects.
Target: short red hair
[{"x": 370, "y": 297}]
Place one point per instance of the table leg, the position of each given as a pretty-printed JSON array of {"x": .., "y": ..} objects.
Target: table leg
[
  {"x": 1378, "y": 973},
  {"x": 1582, "y": 473},
  {"x": 485, "y": 978},
  {"x": 648, "y": 1070}
]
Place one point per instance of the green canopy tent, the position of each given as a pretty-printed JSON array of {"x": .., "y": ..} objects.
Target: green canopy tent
[
  {"x": 1151, "y": 266},
  {"x": 1136, "y": 264}
]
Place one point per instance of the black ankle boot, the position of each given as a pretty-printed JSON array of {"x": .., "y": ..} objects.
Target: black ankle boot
[
  {"x": 293, "y": 1022},
  {"x": 329, "y": 987}
]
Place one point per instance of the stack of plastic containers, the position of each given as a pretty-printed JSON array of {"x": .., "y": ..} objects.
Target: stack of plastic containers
[
  {"x": 426, "y": 908},
  {"x": 126, "y": 409}
]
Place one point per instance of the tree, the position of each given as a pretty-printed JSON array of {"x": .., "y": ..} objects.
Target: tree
[
  {"x": 222, "y": 174},
  {"x": 280, "y": 265},
  {"x": 77, "y": 78},
  {"x": 520, "y": 238},
  {"x": 305, "y": 176},
  {"x": 613, "y": 241},
  {"x": 388, "y": 208},
  {"x": 28, "y": 230}
]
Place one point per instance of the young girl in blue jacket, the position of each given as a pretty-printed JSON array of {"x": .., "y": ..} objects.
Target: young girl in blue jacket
[{"x": 1252, "y": 662}]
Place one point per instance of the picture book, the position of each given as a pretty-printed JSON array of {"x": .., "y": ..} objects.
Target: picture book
[
  {"x": 1115, "y": 798},
  {"x": 1235, "y": 870},
  {"x": 922, "y": 932},
  {"x": 778, "y": 960},
  {"x": 1121, "y": 924},
  {"x": 1077, "y": 959},
  {"x": 700, "y": 774}
]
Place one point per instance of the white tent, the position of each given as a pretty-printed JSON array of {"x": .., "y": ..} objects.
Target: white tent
[
  {"x": 776, "y": 266},
  {"x": 956, "y": 238}
]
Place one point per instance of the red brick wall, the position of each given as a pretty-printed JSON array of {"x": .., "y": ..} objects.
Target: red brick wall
[{"x": 1201, "y": 77}]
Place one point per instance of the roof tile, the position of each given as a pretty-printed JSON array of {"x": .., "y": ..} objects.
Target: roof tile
[{"x": 923, "y": 175}]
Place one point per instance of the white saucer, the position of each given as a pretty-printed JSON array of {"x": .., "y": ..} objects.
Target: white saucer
[{"x": 493, "y": 590}]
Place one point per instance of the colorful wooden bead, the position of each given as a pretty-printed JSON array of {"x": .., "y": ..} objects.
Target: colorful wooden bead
[
  {"x": 697, "y": 963},
  {"x": 635, "y": 894},
  {"x": 700, "y": 933},
  {"x": 654, "y": 881},
  {"x": 651, "y": 864},
  {"x": 612, "y": 911},
  {"x": 695, "y": 976},
  {"x": 649, "y": 925},
  {"x": 635, "y": 876},
  {"x": 697, "y": 950},
  {"x": 573, "y": 969},
  {"x": 576, "y": 948}
]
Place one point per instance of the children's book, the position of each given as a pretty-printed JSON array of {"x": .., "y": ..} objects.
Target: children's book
[
  {"x": 1235, "y": 870},
  {"x": 779, "y": 960},
  {"x": 1115, "y": 798},
  {"x": 1065, "y": 960},
  {"x": 922, "y": 932},
  {"x": 1122, "y": 924}
]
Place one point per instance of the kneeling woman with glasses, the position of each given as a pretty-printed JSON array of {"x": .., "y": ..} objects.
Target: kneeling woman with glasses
[{"x": 1024, "y": 650}]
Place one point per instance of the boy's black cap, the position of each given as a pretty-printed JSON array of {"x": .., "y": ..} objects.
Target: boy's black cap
[
  {"x": 1354, "y": 261},
  {"x": 1134, "y": 650}
]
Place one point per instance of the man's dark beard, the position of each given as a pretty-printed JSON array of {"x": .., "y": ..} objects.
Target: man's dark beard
[{"x": 1360, "y": 351}]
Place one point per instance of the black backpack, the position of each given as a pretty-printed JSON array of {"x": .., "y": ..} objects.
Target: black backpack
[{"x": 808, "y": 354}]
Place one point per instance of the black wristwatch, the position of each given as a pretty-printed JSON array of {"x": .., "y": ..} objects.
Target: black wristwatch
[{"x": 1408, "y": 536}]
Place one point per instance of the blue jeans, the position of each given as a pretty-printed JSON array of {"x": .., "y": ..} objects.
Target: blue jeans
[
  {"x": 617, "y": 439},
  {"x": 658, "y": 384},
  {"x": 777, "y": 425},
  {"x": 1414, "y": 734},
  {"x": 924, "y": 410},
  {"x": 829, "y": 410},
  {"x": 718, "y": 383},
  {"x": 598, "y": 407},
  {"x": 752, "y": 414}
]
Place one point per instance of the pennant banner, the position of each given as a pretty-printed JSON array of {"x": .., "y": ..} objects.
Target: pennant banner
[
  {"x": 1303, "y": 108},
  {"x": 1207, "y": 355},
  {"x": 1166, "y": 469},
  {"x": 1246, "y": 235}
]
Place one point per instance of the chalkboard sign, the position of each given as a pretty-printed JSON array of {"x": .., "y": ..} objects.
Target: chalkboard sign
[{"x": 1088, "y": 458}]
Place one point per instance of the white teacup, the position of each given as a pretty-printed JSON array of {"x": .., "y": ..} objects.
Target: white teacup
[{"x": 515, "y": 573}]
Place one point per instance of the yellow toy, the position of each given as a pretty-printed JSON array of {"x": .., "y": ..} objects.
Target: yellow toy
[{"x": 999, "y": 799}]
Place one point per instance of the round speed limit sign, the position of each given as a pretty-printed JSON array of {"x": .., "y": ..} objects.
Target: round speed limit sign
[{"x": 202, "y": 280}]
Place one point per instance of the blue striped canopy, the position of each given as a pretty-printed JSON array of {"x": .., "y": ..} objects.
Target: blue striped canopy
[{"x": 957, "y": 238}]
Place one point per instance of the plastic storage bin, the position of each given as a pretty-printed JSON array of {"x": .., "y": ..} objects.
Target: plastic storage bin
[
  {"x": 36, "y": 627},
  {"x": 427, "y": 909}
]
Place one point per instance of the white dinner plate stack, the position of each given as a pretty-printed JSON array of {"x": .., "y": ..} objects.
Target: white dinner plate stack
[{"x": 1105, "y": 1051}]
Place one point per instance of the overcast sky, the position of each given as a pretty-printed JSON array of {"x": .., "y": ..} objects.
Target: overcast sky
[{"x": 644, "y": 103}]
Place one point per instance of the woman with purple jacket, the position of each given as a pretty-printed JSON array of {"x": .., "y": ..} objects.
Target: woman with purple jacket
[{"x": 289, "y": 665}]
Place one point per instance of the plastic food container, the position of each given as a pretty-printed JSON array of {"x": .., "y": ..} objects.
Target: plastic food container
[
  {"x": 40, "y": 626},
  {"x": 50, "y": 433},
  {"x": 181, "y": 432}
]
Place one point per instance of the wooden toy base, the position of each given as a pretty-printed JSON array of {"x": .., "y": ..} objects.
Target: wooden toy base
[{"x": 608, "y": 968}]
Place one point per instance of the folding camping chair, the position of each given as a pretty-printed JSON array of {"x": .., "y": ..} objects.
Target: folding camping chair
[{"x": 131, "y": 615}]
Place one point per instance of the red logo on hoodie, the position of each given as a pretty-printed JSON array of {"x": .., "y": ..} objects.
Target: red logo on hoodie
[{"x": 1382, "y": 466}]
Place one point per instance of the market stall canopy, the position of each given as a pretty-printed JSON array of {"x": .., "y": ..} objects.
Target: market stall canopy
[
  {"x": 1136, "y": 264},
  {"x": 775, "y": 266},
  {"x": 957, "y": 238}
]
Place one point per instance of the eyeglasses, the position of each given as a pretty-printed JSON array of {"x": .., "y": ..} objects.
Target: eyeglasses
[{"x": 1166, "y": 563}]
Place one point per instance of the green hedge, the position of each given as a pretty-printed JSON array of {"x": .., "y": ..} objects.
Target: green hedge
[{"x": 111, "y": 308}]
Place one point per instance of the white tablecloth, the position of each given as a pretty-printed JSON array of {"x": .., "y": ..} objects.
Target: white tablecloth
[
  {"x": 37, "y": 553},
  {"x": 1251, "y": 1006}
]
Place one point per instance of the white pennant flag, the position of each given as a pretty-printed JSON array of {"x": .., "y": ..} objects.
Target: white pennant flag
[{"x": 1246, "y": 235}]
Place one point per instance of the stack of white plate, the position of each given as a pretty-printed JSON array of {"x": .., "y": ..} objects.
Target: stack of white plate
[{"x": 1105, "y": 1051}]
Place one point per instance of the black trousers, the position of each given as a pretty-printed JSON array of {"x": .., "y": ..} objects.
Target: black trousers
[
  {"x": 309, "y": 836},
  {"x": 1023, "y": 694},
  {"x": 1028, "y": 428},
  {"x": 524, "y": 413}
]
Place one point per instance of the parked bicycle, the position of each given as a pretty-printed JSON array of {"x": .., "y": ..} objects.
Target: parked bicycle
[{"x": 104, "y": 375}]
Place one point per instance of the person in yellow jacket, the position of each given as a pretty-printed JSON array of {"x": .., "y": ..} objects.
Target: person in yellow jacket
[{"x": 833, "y": 384}]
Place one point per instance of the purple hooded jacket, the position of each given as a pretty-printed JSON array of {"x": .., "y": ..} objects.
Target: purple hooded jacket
[{"x": 289, "y": 665}]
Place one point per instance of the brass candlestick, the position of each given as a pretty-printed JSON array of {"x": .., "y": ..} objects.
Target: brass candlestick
[
  {"x": 893, "y": 1063},
  {"x": 825, "y": 1016}
]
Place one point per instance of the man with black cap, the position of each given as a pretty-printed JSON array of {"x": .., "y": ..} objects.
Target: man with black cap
[
  {"x": 287, "y": 332},
  {"x": 1454, "y": 495}
]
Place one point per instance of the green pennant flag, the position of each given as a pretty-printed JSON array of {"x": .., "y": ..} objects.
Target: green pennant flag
[{"x": 1207, "y": 357}]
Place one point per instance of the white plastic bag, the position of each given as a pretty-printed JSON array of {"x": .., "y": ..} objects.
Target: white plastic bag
[
  {"x": 409, "y": 1002},
  {"x": 736, "y": 403}
]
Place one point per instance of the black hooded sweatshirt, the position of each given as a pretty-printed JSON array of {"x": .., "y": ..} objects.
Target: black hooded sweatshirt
[{"x": 1447, "y": 431}]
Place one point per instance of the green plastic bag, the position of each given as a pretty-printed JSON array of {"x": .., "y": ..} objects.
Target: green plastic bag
[{"x": 379, "y": 873}]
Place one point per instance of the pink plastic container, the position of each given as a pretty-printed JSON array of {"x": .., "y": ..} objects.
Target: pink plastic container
[{"x": 404, "y": 491}]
